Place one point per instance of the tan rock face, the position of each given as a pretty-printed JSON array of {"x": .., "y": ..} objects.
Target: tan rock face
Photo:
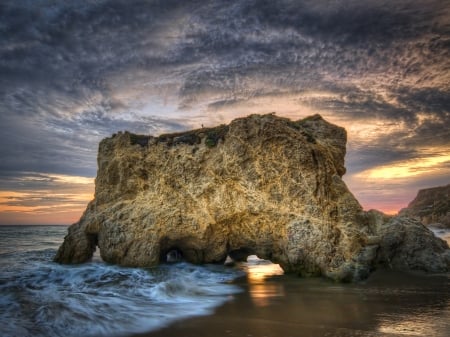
[{"x": 261, "y": 185}]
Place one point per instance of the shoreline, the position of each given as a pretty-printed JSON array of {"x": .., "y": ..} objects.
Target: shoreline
[{"x": 387, "y": 304}]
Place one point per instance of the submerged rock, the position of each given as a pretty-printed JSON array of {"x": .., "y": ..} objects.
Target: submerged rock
[{"x": 261, "y": 185}]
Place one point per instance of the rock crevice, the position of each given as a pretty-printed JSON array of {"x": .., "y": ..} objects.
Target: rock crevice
[{"x": 261, "y": 185}]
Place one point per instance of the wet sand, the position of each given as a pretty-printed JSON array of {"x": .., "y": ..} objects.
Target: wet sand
[{"x": 387, "y": 304}]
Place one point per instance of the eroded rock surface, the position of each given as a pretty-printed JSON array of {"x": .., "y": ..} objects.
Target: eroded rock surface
[{"x": 261, "y": 185}]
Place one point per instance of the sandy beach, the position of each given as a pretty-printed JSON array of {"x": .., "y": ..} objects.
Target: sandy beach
[{"x": 387, "y": 304}]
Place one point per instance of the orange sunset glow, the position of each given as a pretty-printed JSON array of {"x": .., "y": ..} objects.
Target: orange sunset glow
[{"x": 60, "y": 199}]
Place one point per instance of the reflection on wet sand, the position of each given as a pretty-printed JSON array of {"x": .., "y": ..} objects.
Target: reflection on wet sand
[
  {"x": 426, "y": 321},
  {"x": 258, "y": 271},
  {"x": 411, "y": 325},
  {"x": 388, "y": 304}
]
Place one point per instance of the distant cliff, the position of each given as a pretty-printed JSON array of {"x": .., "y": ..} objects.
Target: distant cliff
[
  {"x": 431, "y": 206},
  {"x": 261, "y": 185}
]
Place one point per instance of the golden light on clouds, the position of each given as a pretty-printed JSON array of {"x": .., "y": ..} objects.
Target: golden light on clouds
[
  {"x": 46, "y": 199},
  {"x": 41, "y": 201},
  {"x": 392, "y": 186},
  {"x": 71, "y": 179},
  {"x": 408, "y": 168},
  {"x": 58, "y": 178}
]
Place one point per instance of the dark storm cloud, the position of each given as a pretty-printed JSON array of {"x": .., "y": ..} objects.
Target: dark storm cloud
[
  {"x": 69, "y": 47},
  {"x": 341, "y": 21},
  {"x": 265, "y": 30},
  {"x": 66, "y": 146},
  {"x": 433, "y": 100},
  {"x": 55, "y": 60},
  {"x": 74, "y": 72},
  {"x": 361, "y": 51}
]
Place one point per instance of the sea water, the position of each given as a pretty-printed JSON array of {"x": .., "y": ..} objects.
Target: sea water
[{"x": 39, "y": 297}]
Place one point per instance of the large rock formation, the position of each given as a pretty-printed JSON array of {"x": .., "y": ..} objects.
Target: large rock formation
[
  {"x": 431, "y": 206},
  {"x": 261, "y": 185}
]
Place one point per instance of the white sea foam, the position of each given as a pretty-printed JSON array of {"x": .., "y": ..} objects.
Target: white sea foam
[{"x": 42, "y": 298}]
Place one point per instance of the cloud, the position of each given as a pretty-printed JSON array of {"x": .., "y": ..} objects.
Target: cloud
[
  {"x": 67, "y": 145},
  {"x": 410, "y": 168},
  {"x": 31, "y": 197},
  {"x": 210, "y": 52},
  {"x": 75, "y": 72}
]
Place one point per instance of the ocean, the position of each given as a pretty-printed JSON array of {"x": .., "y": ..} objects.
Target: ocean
[{"x": 41, "y": 298}]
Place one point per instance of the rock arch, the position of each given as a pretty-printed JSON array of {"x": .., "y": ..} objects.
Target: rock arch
[{"x": 262, "y": 184}]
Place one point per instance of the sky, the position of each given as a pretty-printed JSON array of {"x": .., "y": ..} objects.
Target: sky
[{"x": 74, "y": 72}]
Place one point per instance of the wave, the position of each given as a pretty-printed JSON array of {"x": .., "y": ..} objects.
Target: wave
[{"x": 42, "y": 298}]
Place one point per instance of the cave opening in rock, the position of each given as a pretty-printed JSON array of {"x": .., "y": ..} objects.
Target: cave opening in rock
[
  {"x": 180, "y": 249},
  {"x": 93, "y": 240},
  {"x": 174, "y": 255},
  {"x": 241, "y": 254}
]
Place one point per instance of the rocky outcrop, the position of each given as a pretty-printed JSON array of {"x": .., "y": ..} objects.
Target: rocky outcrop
[
  {"x": 261, "y": 185},
  {"x": 431, "y": 206},
  {"x": 406, "y": 244}
]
